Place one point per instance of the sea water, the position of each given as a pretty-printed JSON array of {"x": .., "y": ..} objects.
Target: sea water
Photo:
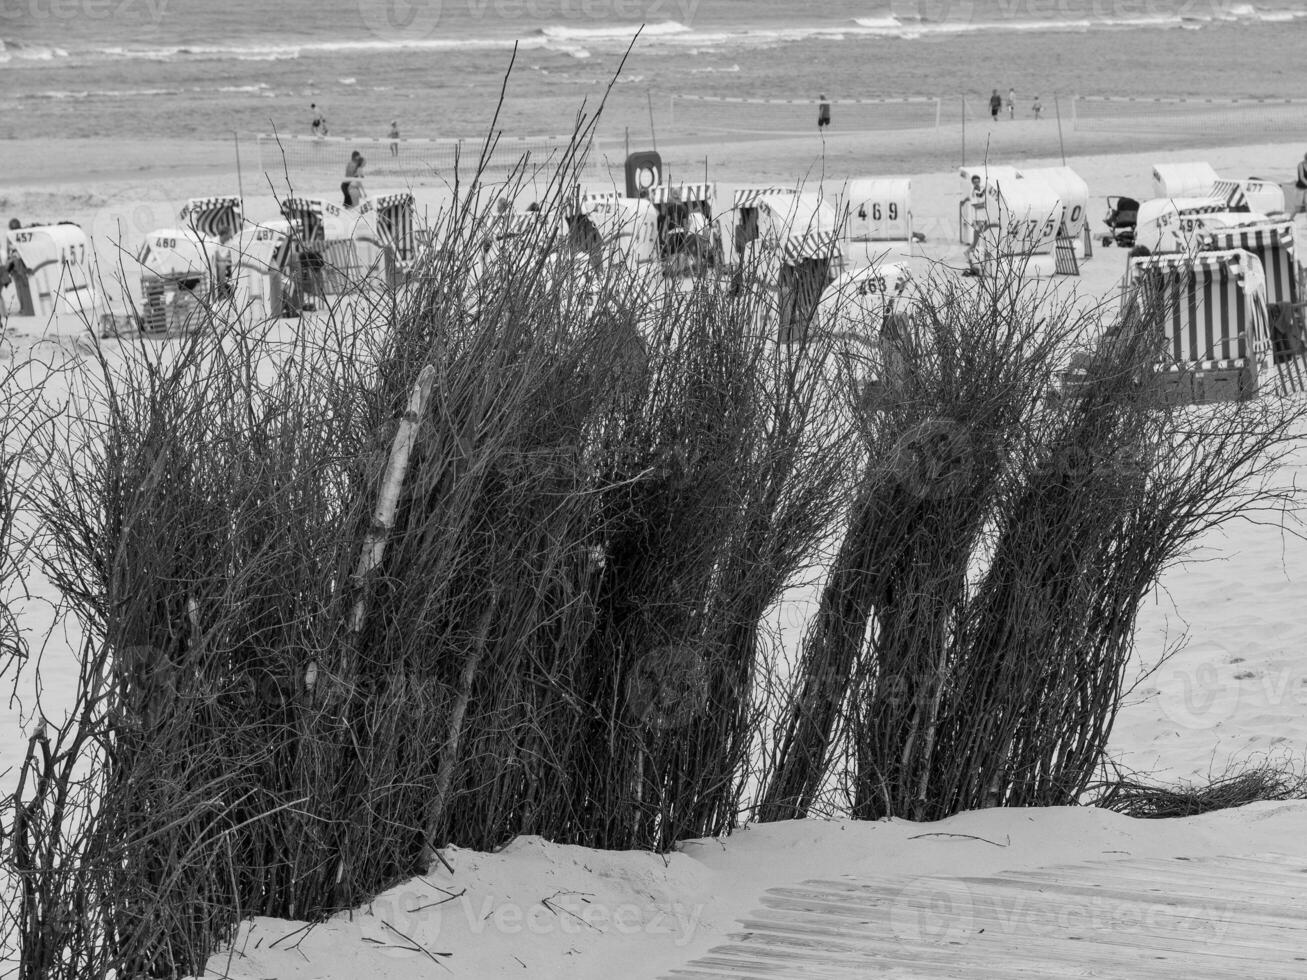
[{"x": 194, "y": 68}]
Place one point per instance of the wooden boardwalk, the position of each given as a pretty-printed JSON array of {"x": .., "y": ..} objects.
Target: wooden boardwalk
[{"x": 1207, "y": 919}]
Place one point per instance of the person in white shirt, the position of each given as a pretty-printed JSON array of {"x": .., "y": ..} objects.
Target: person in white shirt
[
  {"x": 979, "y": 200},
  {"x": 696, "y": 232}
]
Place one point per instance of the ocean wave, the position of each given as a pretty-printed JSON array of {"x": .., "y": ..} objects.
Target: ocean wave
[
  {"x": 60, "y": 95},
  {"x": 1097, "y": 19},
  {"x": 279, "y": 52},
  {"x": 18, "y": 51},
  {"x": 577, "y": 42},
  {"x": 614, "y": 32}
]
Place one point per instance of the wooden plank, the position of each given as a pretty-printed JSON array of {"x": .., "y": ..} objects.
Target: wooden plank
[{"x": 1224, "y": 918}]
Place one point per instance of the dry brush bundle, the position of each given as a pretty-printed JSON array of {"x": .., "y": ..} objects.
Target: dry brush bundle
[
  {"x": 628, "y": 475},
  {"x": 955, "y": 390},
  {"x": 729, "y": 470},
  {"x": 1257, "y": 781},
  {"x": 22, "y": 417},
  {"x": 974, "y": 629},
  {"x": 489, "y": 557},
  {"x": 193, "y": 509}
]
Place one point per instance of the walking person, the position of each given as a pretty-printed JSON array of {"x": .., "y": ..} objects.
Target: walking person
[
  {"x": 319, "y": 121},
  {"x": 823, "y": 112},
  {"x": 1036, "y": 107},
  {"x": 1301, "y": 184},
  {"x": 394, "y": 137},
  {"x": 1012, "y": 103},
  {"x": 995, "y": 104}
]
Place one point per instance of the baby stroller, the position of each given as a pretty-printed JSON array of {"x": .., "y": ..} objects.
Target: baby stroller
[{"x": 1122, "y": 216}]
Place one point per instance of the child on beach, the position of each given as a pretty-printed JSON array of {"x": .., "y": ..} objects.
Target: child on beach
[
  {"x": 1012, "y": 103},
  {"x": 319, "y": 121}
]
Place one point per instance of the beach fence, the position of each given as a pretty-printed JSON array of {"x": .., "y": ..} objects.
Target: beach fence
[
  {"x": 693, "y": 114},
  {"x": 281, "y": 156},
  {"x": 1124, "y": 114}
]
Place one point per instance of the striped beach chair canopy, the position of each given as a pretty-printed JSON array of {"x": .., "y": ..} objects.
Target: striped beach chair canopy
[
  {"x": 1273, "y": 243},
  {"x": 1212, "y": 305},
  {"x": 527, "y": 223},
  {"x": 214, "y": 217},
  {"x": 306, "y": 218},
  {"x": 587, "y": 202},
  {"x": 809, "y": 245},
  {"x": 748, "y": 197},
  {"x": 396, "y": 219},
  {"x": 1174, "y": 225},
  {"x": 1232, "y": 193},
  {"x": 317, "y": 221}
]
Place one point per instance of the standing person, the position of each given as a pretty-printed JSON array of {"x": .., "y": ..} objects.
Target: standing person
[
  {"x": 697, "y": 233},
  {"x": 1036, "y": 107},
  {"x": 978, "y": 199},
  {"x": 394, "y": 137},
  {"x": 352, "y": 186},
  {"x": 319, "y": 120},
  {"x": 995, "y": 103},
  {"x": 1012, "y": 103},
  {"x": 1301, "y": 183},
  {"x": 823, "y": 112}
]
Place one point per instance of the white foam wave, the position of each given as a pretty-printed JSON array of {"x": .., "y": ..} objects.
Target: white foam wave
[
  {"x": 615, "y": 32},
  {"x": 577, "y": 42},
  {"x": 892, "y": 27},
  {"x": 61, "y": 94},
  {"x": 14, "y": 51}
]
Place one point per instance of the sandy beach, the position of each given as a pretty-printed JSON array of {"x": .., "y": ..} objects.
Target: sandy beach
[
  {"x": 1234, "y": 693},
  {"x": 120, "y": 191}
]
